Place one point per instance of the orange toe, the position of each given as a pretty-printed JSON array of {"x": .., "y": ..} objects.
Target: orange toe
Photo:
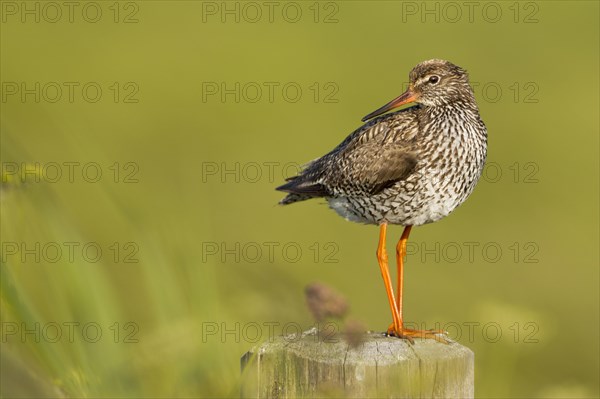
[{"x": 410, "y": 334}]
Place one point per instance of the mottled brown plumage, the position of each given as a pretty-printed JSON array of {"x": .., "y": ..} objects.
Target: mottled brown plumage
[{"x": 409, "y": 167}]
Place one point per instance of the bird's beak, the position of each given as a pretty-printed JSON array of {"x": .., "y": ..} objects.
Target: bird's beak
[{"x": 408, "y": 96}]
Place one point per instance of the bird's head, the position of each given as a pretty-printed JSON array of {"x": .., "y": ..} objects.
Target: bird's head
[{"x": 432, "y": 83}]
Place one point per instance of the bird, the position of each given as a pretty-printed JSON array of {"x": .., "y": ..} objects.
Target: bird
[{"x": 409, "y": 167}]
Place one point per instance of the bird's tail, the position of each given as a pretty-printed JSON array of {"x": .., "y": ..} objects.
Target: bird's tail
[
  {"x": 293, "y": 197},
  {"x": 301, "y": 188}
]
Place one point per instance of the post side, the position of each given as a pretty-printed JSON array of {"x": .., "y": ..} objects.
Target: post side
[{"x": 310, "y": 366}]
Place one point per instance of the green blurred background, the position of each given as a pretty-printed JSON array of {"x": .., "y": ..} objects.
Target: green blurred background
[{"x": 188, "y": 177}]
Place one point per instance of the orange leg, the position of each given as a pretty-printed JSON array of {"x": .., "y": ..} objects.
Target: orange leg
[
  {"x": 408, "y": 333},
  {"x": 400, "y": 255},
  {"x": 382, "y": 258}
]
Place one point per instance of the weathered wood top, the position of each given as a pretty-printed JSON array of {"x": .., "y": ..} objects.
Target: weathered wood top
[{"x": 312, "y": 366}]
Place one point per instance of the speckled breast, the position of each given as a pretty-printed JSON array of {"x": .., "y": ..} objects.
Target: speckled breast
[{"x": 446, "y": 174}]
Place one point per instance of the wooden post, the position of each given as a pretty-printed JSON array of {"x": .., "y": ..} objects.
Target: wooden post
[{"x": 309, "y": 366}]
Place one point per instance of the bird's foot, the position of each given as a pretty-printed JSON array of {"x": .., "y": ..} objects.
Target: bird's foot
[{"x": 410, "y": 334}]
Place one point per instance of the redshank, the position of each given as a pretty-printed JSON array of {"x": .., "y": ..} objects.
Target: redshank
[{"x": 409, "y": 167}]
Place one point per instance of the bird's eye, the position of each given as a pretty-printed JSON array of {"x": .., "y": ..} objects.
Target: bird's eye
[{"x": 434, "y": 79}]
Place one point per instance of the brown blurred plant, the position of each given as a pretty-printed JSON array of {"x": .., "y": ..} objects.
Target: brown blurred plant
[
  {"x": 354, "y": 333},
  {"x": 324, "y": 302}
]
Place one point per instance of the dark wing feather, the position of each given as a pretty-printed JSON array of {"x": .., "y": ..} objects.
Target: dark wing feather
[
  {"x": 301, "y": 186},
  {"x": 371, "y": 159},
  {"x": 377, "y": 167}
]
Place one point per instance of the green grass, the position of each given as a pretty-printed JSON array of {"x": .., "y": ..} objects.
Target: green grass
[{"x": 177, "y": 293}]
